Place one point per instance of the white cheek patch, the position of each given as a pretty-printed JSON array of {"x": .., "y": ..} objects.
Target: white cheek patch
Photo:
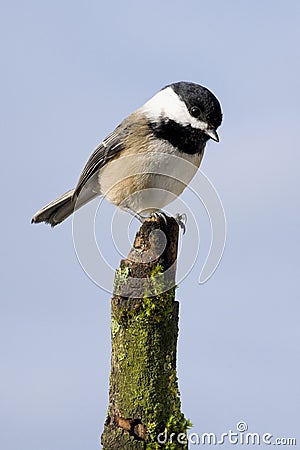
[{"x": 166, "y": 103}]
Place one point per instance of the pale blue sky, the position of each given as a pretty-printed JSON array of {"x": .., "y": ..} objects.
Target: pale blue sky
[{"x": 70, "y": 72}]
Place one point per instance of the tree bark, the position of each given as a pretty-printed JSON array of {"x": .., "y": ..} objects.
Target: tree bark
[{"x": 144, "y": 405}]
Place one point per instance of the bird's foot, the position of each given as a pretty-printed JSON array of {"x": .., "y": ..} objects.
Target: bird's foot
[
  {"x": 181, "y": 220},
  {"x": 160, "y": 215}
]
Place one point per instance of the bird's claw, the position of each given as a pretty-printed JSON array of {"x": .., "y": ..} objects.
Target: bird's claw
[
  {"x": 181, "y": 220},
  {"x": 160, "y": 215}
]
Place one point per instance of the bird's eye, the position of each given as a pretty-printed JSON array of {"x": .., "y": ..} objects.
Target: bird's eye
[{"x": 195, "y": 111}]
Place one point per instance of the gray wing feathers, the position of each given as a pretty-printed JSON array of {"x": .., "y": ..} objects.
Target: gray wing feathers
[
  {"x": 87, "y": 187},
  {"x": 108, "y": 148}
]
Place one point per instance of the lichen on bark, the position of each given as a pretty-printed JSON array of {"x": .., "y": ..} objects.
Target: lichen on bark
[{"x": 144, "y": 397}]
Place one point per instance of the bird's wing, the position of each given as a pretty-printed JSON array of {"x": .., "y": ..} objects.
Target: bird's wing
[{"x": 106, "y": 150}]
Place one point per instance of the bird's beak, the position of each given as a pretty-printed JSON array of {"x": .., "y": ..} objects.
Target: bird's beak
[{"x": 212, "y": 134}]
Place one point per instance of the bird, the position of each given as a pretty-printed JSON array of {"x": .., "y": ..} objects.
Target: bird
[{"x": 149, "y": 159}]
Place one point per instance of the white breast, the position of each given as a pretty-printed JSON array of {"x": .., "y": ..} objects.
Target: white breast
[{"x": 150, "y": 179}]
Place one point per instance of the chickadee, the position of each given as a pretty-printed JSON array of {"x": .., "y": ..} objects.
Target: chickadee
[{"x": 148, "y": 160}]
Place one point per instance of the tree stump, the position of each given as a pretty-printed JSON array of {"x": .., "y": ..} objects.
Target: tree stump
[{"x": 144, "y": 406}]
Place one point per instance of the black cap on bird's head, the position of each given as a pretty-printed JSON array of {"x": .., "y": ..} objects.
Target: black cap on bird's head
[{"x": 201, "y": 104}]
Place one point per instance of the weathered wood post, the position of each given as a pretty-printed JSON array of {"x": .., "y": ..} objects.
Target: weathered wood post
[{"x": 144, "y": 406}]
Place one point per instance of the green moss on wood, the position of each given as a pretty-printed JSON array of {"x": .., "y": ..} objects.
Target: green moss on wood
[
  {"x": 121, "y": 276},
  {"x": 144, "y": 355},
  {"x": 144, "y": 397}
]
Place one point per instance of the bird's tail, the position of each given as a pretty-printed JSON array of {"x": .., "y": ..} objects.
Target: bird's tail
[{"x": 56, "y": 211}]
